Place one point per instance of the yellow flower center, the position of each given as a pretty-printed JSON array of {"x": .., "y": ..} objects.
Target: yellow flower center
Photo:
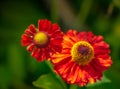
[
  {"x": 41, "y": 39},
  {"x": 82, "y": 52}
]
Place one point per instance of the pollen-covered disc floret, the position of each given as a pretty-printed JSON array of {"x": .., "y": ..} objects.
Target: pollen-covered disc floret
[
  {"x": 43, "y": 41},
  {"x": 82, "y": 52}
]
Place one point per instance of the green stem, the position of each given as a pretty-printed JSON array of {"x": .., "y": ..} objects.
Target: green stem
[
  {"x": 49, "y": 65},
  {"x": 56, "y": 75}
]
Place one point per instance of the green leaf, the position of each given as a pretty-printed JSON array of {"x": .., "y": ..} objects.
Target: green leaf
[
  {"x": 48, "y": 81},
  {"x": 53, "y": 72},
  {"x": 103, "y": 80}
]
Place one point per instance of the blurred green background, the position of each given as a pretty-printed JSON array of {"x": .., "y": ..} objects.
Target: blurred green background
[{"x": 18, "y": 70}]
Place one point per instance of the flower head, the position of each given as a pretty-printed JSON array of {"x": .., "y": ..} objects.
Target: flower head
[
  {"x": 83, "y": 58},
  {"x": 44, "y": 41}
]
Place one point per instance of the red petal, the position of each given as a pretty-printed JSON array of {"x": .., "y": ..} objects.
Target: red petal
[
  {"x": 81, "y": 78},
  {"x": 35, "y": 53},
  {"x": 28, "y": 32},
  {"x": 32, "y": 28},
  {"x": 103, "y": 62},
  {"x": 56, "y": 34},
  {"x": 26, "y": 40},
  {"x": 47, "y": 53},
  {"x": 92, "y": 71},
  {"x": 56, "y": 44},
  {"x": 101, "y": 48},
  {"x": 44, "y": 25},
  {"x": 60, "y": 58},
  {"x": 67, "y": 42},
  {"x": 72, "y": 35},
  {"x": 30, "y": 47},
  {"x": 98, "y": 38},
  {"x": 54, "y": 28},
  {"x": 72, "y": 74},
  {"x": 64, "y": 70},
  {"x": 39, "y": 56}
]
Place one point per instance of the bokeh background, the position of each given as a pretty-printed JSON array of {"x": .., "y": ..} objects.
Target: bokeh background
[{"x": 18, "y": 70}]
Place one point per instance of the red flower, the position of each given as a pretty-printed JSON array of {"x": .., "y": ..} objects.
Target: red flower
[
  {"x": 83, "y": 58},
  {"x": 44, "y": 41}
]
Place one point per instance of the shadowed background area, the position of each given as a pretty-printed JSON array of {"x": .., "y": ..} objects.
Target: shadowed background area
[{"x": 18, "y": 70}]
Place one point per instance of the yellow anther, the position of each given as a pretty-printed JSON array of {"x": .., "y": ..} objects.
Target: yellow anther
[
  {"x": 41, "y": 38},
  {"x": 82, "y": 52}
]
